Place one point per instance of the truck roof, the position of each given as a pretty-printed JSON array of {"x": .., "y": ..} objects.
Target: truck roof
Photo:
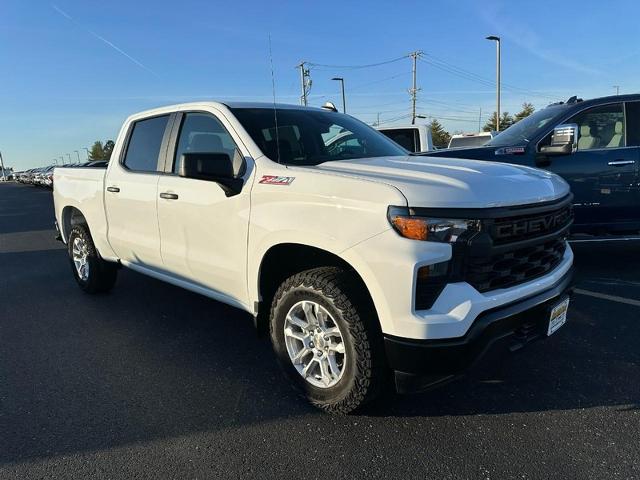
[{"x": 214, "y": 103}]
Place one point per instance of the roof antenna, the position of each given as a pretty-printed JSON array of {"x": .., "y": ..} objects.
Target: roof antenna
[{"x": 275, "y": 110}]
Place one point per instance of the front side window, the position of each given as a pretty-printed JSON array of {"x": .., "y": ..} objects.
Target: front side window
[
  {"x": 600, "y": 127},
  {"x": 405, "y": 137},
  {"x": 311, "y": 137},
  {"x": 202, "y": 133},
  {"x": 144, "y": 145}
]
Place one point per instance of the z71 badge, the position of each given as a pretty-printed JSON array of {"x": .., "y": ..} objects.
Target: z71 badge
[{"x": 276, "y": 180}]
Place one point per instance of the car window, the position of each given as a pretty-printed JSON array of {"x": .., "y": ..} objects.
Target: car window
[
  {"x": 144, "y": 145},
  {"x": 202, "y": 133},
  {"x": 633, "y": 123},
  {"x": 601, "y": 127},
  {"x": 470, "y": 141},
  {"x": 405, "y": 137}
]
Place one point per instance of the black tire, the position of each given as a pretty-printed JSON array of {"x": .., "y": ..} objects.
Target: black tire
[
  {"x": 338, "y": 292},
  {"x": 101, "y": 274}
]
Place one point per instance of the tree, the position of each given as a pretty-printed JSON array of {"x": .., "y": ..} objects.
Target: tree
[
  {"x": 107, "y": 150},
  {"x": 527, "y": 109},
  {"x": 439, "y": 135},
  {"x": 97, "y": 151},
  {"x": 100, "y": 151},
  {"x": 506, "y": 121}
]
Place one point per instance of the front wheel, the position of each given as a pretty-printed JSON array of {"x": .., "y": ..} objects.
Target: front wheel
[
  {"x": 92, "y": 273},
  {"x": 325, "y": 336}
]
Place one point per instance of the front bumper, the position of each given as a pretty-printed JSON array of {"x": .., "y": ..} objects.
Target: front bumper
[{"x": 421, "y": 363}]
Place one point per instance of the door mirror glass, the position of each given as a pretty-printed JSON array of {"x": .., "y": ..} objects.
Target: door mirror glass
[{"x": 564, "y": 140}]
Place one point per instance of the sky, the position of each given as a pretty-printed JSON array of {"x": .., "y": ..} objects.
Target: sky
[{"x": 73, "y": 70}]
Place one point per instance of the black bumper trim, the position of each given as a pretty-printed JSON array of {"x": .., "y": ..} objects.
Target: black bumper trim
[{"x": 514, "y": 325}]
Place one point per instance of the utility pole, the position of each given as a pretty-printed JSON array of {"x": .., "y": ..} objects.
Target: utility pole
[
  {"x": 497, "y": 40},
  {"x": 305, "y": 83},
  {"x": 480, "y": 121},
  {"x": 414, "y": 88},
  {"x": 378, "y": 122},
  {"x": 2, "y": 166},
  {"x": 617, "y": 87}
]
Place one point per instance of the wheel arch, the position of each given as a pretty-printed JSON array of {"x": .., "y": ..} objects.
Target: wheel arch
[
  {"x": 72, "y": 216},
  {"x": 282, "y": 260}
]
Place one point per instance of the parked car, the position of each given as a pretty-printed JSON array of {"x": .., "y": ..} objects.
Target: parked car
[
  {"x": 465, "y": 140},
  {"x": 414, "y": 138},
  {"x": 594, "y": 145},
  {"x": 359, "y": 261}
]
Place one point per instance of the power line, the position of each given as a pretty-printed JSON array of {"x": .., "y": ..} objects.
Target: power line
[
  {"x": 379, "y": 81},
  {"x": 466, "y": 74},
  {"x": 355, "y": 67}
]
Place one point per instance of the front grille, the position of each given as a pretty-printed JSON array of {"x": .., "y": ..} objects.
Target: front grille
[
  {"x": 516, "y": 266},
  {"x": 517, "y": 246}
]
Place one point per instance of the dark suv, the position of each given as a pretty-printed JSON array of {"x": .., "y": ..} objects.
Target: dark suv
[{"x": 593, "y": 144}]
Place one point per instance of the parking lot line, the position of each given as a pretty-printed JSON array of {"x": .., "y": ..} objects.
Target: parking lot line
[{"x": 604, "y": 296}]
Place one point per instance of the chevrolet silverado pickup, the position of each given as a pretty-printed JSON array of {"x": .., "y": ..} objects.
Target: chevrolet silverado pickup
[
  {"x": 367, "y": 267},
  {"x": 594, "y": 145}
]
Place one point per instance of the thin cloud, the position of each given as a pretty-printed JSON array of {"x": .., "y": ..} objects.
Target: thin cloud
[
  {"x": 104, "y": 40},
  {"x": 521, "y": 35}
]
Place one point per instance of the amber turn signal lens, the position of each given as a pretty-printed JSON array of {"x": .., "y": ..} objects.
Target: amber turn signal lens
[{"x": 413, "y": 228}]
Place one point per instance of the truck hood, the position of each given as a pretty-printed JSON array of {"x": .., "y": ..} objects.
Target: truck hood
[{"x": 455, "y": 183}]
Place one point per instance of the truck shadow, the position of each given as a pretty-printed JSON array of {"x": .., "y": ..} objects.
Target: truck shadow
[{"x": 149, "y": 361}]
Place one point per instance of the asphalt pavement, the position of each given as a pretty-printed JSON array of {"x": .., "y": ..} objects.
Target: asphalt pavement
[{"x": 152, "y": 381}]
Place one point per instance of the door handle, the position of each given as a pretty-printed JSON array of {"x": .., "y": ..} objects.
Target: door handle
[
  {"x": 169, "y": 196},
  {"x": 618, "y": 163},
  {"x": 113, "y": 189}
]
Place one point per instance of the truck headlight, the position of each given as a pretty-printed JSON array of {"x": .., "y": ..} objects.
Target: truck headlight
[{"x": 445, "y": 230}]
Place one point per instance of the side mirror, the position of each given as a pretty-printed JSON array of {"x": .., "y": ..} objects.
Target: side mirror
[
  {"x": 564, "y": 140},
  {"x": 214, "y": 167}
]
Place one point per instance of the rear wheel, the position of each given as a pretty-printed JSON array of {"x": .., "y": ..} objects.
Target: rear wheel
[
  {"x": 92, "y": 273},
  {"x": 326, "y": 339}
]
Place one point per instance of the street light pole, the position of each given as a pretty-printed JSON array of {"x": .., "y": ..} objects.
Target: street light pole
[
  {"x": 85, "y": 148},
  {"x": 78, "y": 154},
  {"x": 2, "y": 166},
  {"x": 497, "y": 40},
  {"x": 62, "y": 159},
  {"x": 55, "y": 160},
  {"x": 617, "y": 87},
  {"x": 344, "y": 103},
  {"x": 69, "y": 155}
]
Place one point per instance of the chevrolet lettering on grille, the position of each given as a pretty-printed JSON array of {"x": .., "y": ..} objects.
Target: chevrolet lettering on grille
[{"x": 533, "y": 226}]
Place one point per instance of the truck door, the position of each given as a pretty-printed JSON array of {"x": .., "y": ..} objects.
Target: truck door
[
  {"x": 632, "y": 111},
  {"x": 603, "y": 170},
  {"x": 131, "y": 191},
  {"x": 203, "y": 231}
]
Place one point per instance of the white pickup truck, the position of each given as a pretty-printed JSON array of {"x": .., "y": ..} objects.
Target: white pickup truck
[{"x": 365, "y": 265}]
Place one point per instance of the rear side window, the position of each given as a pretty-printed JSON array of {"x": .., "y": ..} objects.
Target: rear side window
[
  {"x": 407, "y": 138},
  {"x": 144, "y": 145}
]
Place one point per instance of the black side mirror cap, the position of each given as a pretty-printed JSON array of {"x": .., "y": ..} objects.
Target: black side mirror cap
[{"x": 215, "y": 167}]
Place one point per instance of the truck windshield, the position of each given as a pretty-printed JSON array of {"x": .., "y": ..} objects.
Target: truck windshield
[
  {"x": 311, "y": 137},
  {"x": 522, "y": 131}
]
